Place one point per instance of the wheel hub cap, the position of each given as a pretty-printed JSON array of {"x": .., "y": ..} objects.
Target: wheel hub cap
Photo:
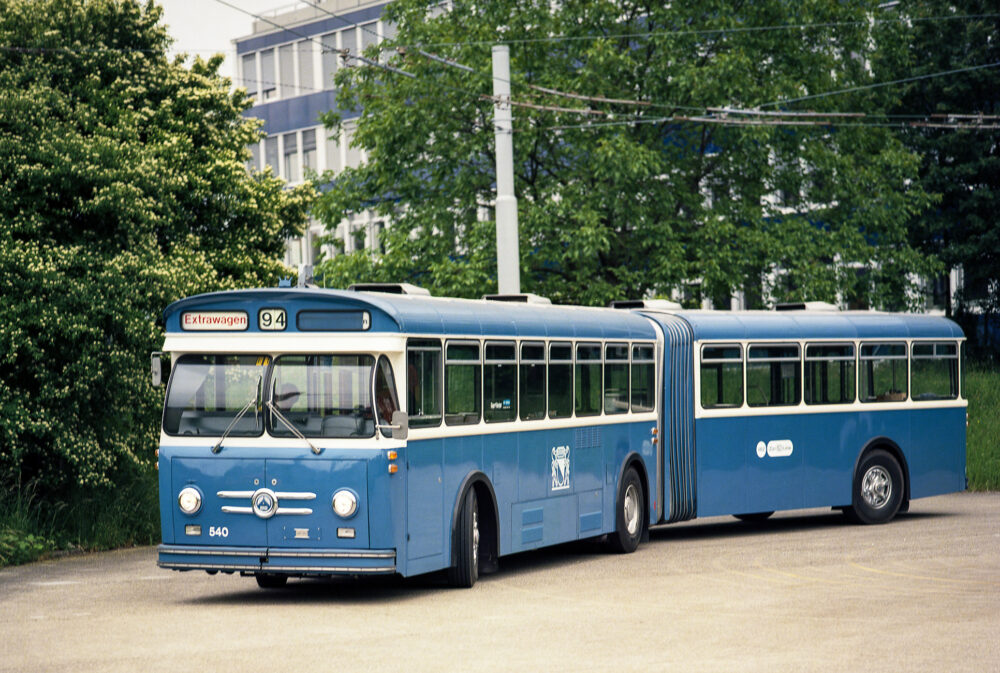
[
  {"x": 876, "y": 487},
  {"x": 631, "y": 509}
]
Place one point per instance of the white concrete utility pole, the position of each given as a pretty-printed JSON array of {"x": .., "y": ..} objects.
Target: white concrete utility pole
[{"x": 508, "y": 256}]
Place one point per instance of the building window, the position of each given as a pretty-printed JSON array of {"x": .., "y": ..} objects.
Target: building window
[
  {"x": 307, "y": 83},
  {"x": 253, "y": 163},
  {"x": 268, "y": 81},
  {"x": 250, "y": 74},
  {"x": 271, "y": 153},
  {"x": 286, "y": 63},
  {"x": 330, "y": 60},
  {"x": 308, "y": 150},
  {"x": 291, "y": 158}
]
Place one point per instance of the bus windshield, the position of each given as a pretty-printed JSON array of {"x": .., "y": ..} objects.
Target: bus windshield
[
  {"x": 322, "y": 396},
  {"x": 207, "y": 393}
]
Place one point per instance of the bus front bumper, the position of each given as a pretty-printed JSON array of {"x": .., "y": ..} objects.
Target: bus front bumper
[{"x": 277, "y": 560}]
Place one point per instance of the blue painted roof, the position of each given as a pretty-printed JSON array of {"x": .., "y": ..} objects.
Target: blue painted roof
[
  {"x": 427, "y": 315},
  {"x": 817, "y": 325}
]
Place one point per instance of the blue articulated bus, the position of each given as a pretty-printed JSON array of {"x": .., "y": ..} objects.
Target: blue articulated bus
[{"x": 381, "y": 430}]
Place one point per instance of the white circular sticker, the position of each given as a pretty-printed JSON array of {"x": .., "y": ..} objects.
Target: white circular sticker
[{"x": 761, "y": 449}]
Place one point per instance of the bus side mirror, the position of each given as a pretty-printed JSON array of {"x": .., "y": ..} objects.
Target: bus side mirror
[
  {"x": 400, "y": 424},
  {"x": 159, "y": 367}
]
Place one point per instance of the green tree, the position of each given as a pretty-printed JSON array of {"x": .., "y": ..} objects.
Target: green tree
[
  {"x": 962, "y": 166},
  {"x": 638, "y": 199},
  {"x": 122, "y": 188}
]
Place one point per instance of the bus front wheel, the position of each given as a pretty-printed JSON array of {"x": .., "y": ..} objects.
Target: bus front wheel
[
  {"x": 629, "y": 511},
  {"x": 465, "y": 571},
  {"x": 878, "y": 489}
]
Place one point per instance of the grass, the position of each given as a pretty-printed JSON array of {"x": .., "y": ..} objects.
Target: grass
[
  {"x": 982, "y": 387},
  {"x": 31, "y": 529}
]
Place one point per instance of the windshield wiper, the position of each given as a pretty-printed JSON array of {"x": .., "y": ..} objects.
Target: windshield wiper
[
  {"x": 288, "y": 424},
  {"x": 255, "y": 401}
]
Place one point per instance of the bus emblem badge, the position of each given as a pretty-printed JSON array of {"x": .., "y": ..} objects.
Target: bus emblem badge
[
  {"x": 264, "y": 503},
  {"x": 560, "y": 468}
]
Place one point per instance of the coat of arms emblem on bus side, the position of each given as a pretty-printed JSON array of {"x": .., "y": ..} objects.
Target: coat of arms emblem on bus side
[{"x": 560, "y": 468}]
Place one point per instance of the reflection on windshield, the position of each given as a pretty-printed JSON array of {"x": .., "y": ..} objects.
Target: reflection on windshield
[
  {"x": 323, "y": 395},
  {"x": 208, "y": 391}
]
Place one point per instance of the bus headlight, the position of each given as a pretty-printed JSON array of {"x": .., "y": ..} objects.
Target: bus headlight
[
  {"x": 189, "y": 500},
  {"x": 345, "y": 503}
]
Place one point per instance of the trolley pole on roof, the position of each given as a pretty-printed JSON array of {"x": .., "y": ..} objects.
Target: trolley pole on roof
[{"x": 508, "y": 256}]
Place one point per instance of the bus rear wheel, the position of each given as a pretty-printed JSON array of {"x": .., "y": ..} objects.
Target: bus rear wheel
[
  {"x": 878, "y": 489},
  {"x": 465, "y": 571},
  {"x": 271, "y": 581},
  {"x": 629, "y": 511}
]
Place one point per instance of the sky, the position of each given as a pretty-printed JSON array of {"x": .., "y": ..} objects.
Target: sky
[{"x": 206, "y": 27}]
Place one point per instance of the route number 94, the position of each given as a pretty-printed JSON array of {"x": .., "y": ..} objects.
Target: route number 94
[
  {"x": 218, "y": 531},
  {"x": 272, "y": 319}
]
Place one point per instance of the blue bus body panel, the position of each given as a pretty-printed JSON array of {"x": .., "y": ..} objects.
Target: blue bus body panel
[
  {"x": 732, "y": 479},
  {"x": 303, "y": 540}
]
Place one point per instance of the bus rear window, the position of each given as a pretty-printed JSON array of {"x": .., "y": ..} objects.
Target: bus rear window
[
  {"x": 208, "y": 392},
  {"x": 721, "y": 376}
]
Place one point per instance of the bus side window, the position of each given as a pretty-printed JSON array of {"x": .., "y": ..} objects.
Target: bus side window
[
  {"x": 721, "y": 376},
  {"x": 560, "y": 380},
  {"x": 532, "y": 389},
  {"x": 500, "y": 381},
  {"x": 883, "y": 372},
  {"x": 616, "y": 378},
  {"x": 423, "y": 382},
  {"x": 934, "y": 368},
  {"x": 643, "y": 378},
  {"x": 462, "y": 379},
  {"x": 829, "y": 374},
  {"x": 588, "y": 379},
  {"x": 774, "y": 377}
]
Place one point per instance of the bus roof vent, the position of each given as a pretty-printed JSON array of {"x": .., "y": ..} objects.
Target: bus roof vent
[
  {"x": 807, "y": 306},
  {"x": 658, "y": 304},
  {"x": 390, "y": 288},
  {"x": 523, "y": 298}
]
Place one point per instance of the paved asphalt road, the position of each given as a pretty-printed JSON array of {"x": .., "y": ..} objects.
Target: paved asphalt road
[{"x": 803, "y": 591}]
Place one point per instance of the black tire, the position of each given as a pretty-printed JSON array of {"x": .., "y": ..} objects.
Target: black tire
[
  {"x": 271, "y": 581},
  {"x": 878, "y": 489},
  {"x": 465, "y": 539},
  {"x": 630, "y": 510},
  {"x": 754, "y": 517}
]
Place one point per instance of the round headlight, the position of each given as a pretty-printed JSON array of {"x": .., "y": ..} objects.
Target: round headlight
[
  {"x": 189, "y": 500},
  {"x": 345, "y": 503}
]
